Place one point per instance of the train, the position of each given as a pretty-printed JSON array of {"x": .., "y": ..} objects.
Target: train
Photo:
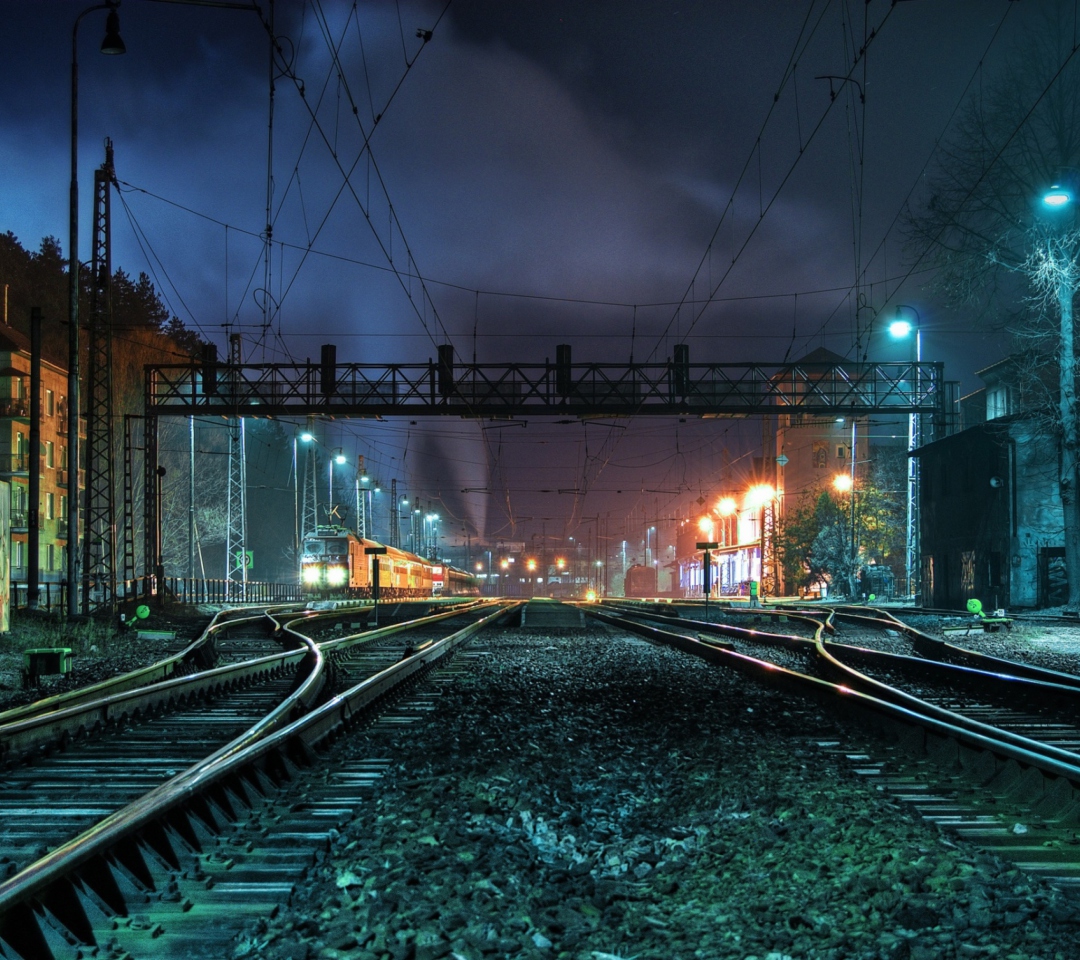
[{"x": 335, "y": 562}]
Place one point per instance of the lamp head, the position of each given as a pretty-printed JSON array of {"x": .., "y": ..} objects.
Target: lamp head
[
  {"x": 113, "y": 44},
  {"x": 900, "y": 328},
  {"x": 1057, "y": 197}
]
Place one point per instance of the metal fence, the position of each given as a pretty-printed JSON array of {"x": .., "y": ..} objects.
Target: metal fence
[{"x": 52, "y": 595}]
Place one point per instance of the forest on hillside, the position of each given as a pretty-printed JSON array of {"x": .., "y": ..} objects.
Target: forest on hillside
[{"x": 145, "y": 332}]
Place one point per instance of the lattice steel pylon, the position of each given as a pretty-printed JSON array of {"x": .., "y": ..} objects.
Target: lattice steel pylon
[
  {"x": 769, "y": 574},
  {"x": 99, "y": 541},
  {"x": 131, "y": 444},
  {"x": 236, "y": 562},
  {"x": 309, "y": 512},
  {"x": 237, "y": 557}
]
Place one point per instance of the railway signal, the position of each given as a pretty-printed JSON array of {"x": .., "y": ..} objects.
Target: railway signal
[{"x": 705, "y": 584}]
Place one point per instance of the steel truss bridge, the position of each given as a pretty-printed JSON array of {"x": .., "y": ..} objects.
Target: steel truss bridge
[
  {"x": 485, "y": 391},
  {"x": 501, "y": 391}
]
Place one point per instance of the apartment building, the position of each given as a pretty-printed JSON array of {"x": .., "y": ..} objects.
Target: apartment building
[{"x": 16, "y": 458}]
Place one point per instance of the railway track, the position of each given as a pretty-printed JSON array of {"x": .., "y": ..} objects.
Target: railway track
[
  {"x": 157, "y": 835},
  {"x": 999, "y": 735}
]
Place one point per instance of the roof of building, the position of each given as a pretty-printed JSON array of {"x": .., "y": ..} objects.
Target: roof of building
[{"x": 823, "y": 355}]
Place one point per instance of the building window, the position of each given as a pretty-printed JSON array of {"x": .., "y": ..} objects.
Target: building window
[
  {"x": 997, "y": 402},
  {"x": 49, "y": 449},
  {"x": 50, "y": 403},
  {"x": 63, "y": 507},
  {"x": 821, "y": 455},
  {"x": 50, "y": 506},
  {"x": 841, "y": 452},
  {"x": 967, "y": 572},
  {"x": 50, "y": 556},
  {"x": 18, "y": 553}
]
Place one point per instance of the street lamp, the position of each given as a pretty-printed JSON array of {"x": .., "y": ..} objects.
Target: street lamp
[
  {"x": 760, "y": 497},
  {"x": 338, "y": 456},
  {"x": 1057, "y": 196},
  {"x": 112, "y": 45},
  {"x": 900, "y": 329}
]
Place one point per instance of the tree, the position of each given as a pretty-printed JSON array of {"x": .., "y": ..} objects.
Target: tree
[
  {"x": 796, "y": 533},
  {"x": 814, "y": 537},
  {"x": 998, "y": 248}
]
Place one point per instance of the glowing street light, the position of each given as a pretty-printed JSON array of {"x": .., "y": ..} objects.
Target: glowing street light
[
  {"x": 901, "y": 328},
  {"x": 1057, "y": 197}
]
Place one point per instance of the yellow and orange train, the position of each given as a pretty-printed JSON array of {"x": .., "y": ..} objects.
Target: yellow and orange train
[{"x": 333, "y": 563}]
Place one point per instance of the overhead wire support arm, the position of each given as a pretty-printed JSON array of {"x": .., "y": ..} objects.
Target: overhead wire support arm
[{"x": 482, "y": 391}]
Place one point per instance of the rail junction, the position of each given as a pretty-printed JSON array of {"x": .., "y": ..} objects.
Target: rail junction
[{"x": 1000, "y": 735}]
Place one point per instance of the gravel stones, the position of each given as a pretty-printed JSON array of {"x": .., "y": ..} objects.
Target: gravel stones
[{"x": 594, "y": 797}]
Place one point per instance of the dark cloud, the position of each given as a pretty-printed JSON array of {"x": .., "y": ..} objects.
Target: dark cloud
[{"x": 554, "y": 150}]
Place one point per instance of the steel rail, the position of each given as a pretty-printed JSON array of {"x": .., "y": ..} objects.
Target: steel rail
[
  {"x": 51, "y": 882},
  {"x": 910, "y": 717},
  {"x": 143, "y": 676},
  {"x": 933, "y": 648},
  {"x": 40, "y": 729},
  {"x": 24, "y": 737},
  {"x": 732, "y": 630},
  {"x": 1003, "y": 684}
]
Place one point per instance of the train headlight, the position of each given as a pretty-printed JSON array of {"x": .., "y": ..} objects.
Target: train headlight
[
  {"x": 335, "y": 576},
  {"x": 311, "y": 574}
]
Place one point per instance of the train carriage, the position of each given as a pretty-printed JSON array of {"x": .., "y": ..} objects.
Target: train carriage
[{"x": 333, "y": 563}]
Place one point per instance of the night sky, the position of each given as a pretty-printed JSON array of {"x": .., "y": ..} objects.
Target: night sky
[{"x": 620, "y": 176}]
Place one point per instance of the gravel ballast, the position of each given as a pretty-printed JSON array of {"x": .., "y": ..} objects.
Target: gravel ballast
[{"x": 593, "y": 797}]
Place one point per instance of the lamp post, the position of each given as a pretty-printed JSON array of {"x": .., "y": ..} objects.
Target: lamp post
[
  {"x": 845, "y": 483},
  {"x": 760, "y": 497},
  {"x": 1058, "y": 270},
  {"x": 338, "y": 456},
  {"x": 902, "y": 328},
  {"x": 728, "y": 509},
  {"x": 112, "y": 45},
  {"x": 362, "y": 481}
]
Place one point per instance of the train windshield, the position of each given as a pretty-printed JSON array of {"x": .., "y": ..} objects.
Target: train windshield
[{"x": 326, "y": 546}]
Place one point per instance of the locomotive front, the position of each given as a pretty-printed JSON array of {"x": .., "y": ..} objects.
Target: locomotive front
[{"x": 324, "y": 563}]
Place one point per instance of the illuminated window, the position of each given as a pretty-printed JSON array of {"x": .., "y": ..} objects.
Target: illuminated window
[
  {"x": 997, "y": 402},
  {"x": 49, "y": 449},
  {"x": 50, "y": 403},
  {"x": 50, "y": 506}
]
